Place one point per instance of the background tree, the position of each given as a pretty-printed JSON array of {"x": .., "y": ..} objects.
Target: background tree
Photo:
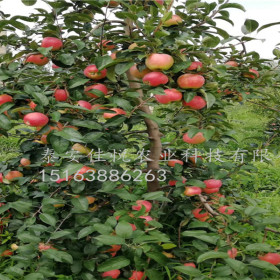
[{"x": 108, "y": 183}]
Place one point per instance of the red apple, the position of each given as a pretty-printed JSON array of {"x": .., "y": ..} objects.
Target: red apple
[
  {"x": 93, "y": 73},
  {"x": 1, "y": 181},
  {"x": 37, "y": 59},
  {"x": 113, "y": 55},
  {"x": 147, "y": 218},
  {"x": 161, "y": 2},
  {"x": 137, "y": 275},
  {"x": 111, "y": 115},
  {"x": 196, "y": 103},
  {"x": 169, "y": 96},
  {"x": 175, "y": 20},
  {"x": 112, "y": 273},
  {"x": 32, "y": 105},
  {"x": 190, "y": 264},
  {"x": 53, "y": 42},
  {"x": 172, "y": 162},
  {"x": 107, "y": 45},
  {"x": 225, "y": 210},
  {"x": 97, "y": 107},
  {"x": 55, "y": 66},
  {"x": 99, "y": 87},
  {"x": 84, "y": 104},
  {"x": 35, "y": 119},
  {"x": 196, "y": 213},
  {"x": 190, "y": 81},
  {"x": 195, "y": 65},
  {"x": 159, "y": 61},
  {"x": 138, "y": 74},
  {"x": 208, "y": 191},
  {"x": 191, "y": 191},
  {"x": 113, "y": 4},
  {"x": 13, "y": 175},
  {"x": 232, "y": 63},
  {"x": 272, "y": 258},
  {"x": 213, "y": 184},
  {"x": 196, "y": 139},
  {"x": 133, "y": 227},
  {"x": 7, "y": 253},
  {"x": 173, "y": 182},
  {"x": 232, "y": 253},
  {"x": 250, "y": 76},
  {"x": 5, "y": 98},
  {"x": 140, "y": 203},
  {"x": 25, "y": 162},
  {"x": 61, "y": 94},
  {"x": 44, "y": 247},
  {"x": 155, "y": 79}
]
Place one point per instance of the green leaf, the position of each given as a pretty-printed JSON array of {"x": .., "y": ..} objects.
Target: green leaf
[
  {"x": 44, "y": 51},
  {"x": 34, "y": 276},
  {"x": 268, "y": 25},
  {"x": 113, "y": 263},
  {"x": 48, "y": 219},
  {"x": 87, "y": 123},
  {"x": 5, "y": 123},
  {"x": 264, "y": 265},
  {"x": 3, "y": 277},
  {"x": 262, "y": 247},
  {"x": 40, "y": 98},
  {"x": 123, "y": 67},
  {"x": 249, "y": 26},
  {"x": 204, "y": 237},
  {"x": 110, "y": 239},
  {"x": 71, "y": 168},
  {"x": 58, "y": 256},
  {"x": 211, "y": 41},
  {"x": 85, "y": 232},
  {"x": 210, "y": 99},
  {"x": 124, "y": 229},
  {"x": 70, "y": 134},
  {"x": 102, "y": 62},
  {"x": 237, "y": 266},
  {"x": 79, "y": 44},
  {"x": 232, "y": 5},
  {"x": 60, "y": 234},
  {"x": 154, "y": 274},
  {"x": 4, "y": 208},
  {"x": 27, "y": 237},
  {"x": 211, "y": 255},
  {"x": 5, "y": 107},
  {"x": 197, "y": 183},
  {"x": 67, "y": 59},
  {"x": 59, "y": 144},
  {"x": 21, "y": 206},
  {"x": 159, "y": 196},
  {"x": 81, "y": 203},
  {"x": 191, "y": 271},
  {"x": 77, "y": 82},
  {"x": 158, "y": 257}
]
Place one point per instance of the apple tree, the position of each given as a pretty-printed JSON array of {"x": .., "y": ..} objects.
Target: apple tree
[{"x": 113, "y": 104}]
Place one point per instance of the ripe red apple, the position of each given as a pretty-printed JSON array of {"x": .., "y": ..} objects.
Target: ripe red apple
[
  {"x": 208, "y": 191},
  {"x": 25, "y": 162},
  {"x": 190, "y": 264},
  {"x": 169, "y": 96},
  {"x": 213, "y": 184},
  {"x": 61, "y": 94},
  {"x": 196, "y": 139},
  {"x": 232, "y": 63},
  {"x": 190, "y": 81},
  {"x": 161, "y": 2},
  {"x": 272, "y": 258},
  {"x": 44, "y": 247},
  {"x": 137, "y": 275},
  {"x": 112, "y": 273},
  {"x": 37, "y": 59},
  {"x": 99, "y": 87},
  {"x": 53, "y": 42},
  {"x": 196, "y": 103},
  {"x": 140, "y": 203},
  {"x": 7, "y": 253},
  {"x": 111, "y": 115},
  {"x": 5, "y": 98},
  {"x": 55, "y": 66},
  {"x": 138, "y": 74},
  {"x": 195, "y": 65},
  {"x": 84, "y": 104},
  {"x": 191, "y": 191},
  {"x": 155, "y": 79},
  {"x": 1, "y": 181},
  {"x": 196, "y": 213},
  {"x": 35, "y": 119},
  {"x": 133, "y": 227},
  {"x": 93, "y": 73},
  {"x": 159, "y": 61},
  {"x": 146, "y": 218},
  {"x": 113, "y": 4},
  {"x": 13, "y": 175},
  {"x": 225, "y": 210},
  {"x": 172, "y": 162},
  {"x": 250, "y": 76},
  {"x": 232, "y": 253},
  {"x": 113, "y": 55},
  {"x": 173, "y": 182},
  {"x": 107, "y": 45},
  {"x": 175, "y": 20}
]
